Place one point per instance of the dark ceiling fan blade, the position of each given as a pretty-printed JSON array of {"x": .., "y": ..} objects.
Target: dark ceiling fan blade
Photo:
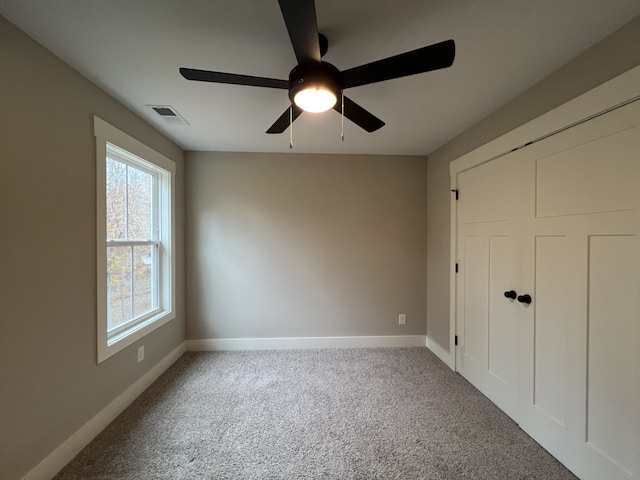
[
  {"x": 282, "y": 123},
  {"x": 233, "y": 79},
  {"x": 300, "y": 19},
  {"x": 359, "y": 115},
  {"x": 425, "y": 59}
]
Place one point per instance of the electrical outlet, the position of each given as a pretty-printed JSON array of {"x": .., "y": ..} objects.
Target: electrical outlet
[
  {"x": 402, "y": 319},
  {"x": 140, "y": 353}
]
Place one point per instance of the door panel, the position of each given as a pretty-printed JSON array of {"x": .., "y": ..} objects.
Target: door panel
[
  {"x": 589, "y": 177},
  {"x": 552, "y": 261},
  {"x": 580, "y": 224},
  {"x": 502, "y": 326},
  {"x": 550, "y": 326},
  {"x": 487, "y": 322},
  {"x": 477, "y": 301},
  {"x": 490, "y": 187},
  {"x": 559, "y": 220},
  {"x": 612, "y": 299}
]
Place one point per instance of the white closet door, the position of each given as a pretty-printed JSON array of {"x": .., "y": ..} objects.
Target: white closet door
[
  {"x": 580, "y": 395},
  {"x": 487, "y": 322}
]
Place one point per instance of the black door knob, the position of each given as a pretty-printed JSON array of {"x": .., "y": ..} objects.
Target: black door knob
[
  {"x": 526, "y": 298},
  {"x": 511, "y": 294}
]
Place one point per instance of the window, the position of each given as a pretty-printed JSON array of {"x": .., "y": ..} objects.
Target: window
[{"x": 134, "y": 239}]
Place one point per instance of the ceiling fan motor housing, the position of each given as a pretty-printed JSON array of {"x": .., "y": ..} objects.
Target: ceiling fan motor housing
[{"x": 313, "y": 75}]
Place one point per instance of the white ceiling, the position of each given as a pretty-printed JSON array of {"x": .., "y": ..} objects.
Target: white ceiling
[{"x": 133, "y": 48}]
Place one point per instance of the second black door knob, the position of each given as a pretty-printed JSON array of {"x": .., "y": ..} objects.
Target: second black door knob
[{"x": 526, "y": 298}]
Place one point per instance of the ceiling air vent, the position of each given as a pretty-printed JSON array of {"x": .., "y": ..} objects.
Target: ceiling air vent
[{"x": 168, "y": 114}]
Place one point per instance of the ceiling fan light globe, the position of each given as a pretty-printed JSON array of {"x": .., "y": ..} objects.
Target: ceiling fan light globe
[{"x": 315, "y": 99}]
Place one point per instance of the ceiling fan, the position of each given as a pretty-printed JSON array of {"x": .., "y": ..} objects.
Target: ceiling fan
[{"x": 314, "y": 85}]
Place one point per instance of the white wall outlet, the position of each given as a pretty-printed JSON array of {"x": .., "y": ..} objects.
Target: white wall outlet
[
  {"x": 402, "y": 319},
  {"x": 140, "y": 353}
]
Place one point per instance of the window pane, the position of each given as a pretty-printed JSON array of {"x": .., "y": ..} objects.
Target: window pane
[
  {"x": 118, "y": 286},
  {"x": 116, "y": 200},
  {"x": 144, "y": 264},
  {"x": 140, "y": 198}
]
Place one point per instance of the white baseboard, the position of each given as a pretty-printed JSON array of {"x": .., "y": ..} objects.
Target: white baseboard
[
  {"x": 62, "y": 455},
  {"x": 290, "y": 343},
  {"x": 441, "y": 353}
]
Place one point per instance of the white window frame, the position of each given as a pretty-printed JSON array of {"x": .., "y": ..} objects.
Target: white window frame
[{"x": 144, "y": 158}]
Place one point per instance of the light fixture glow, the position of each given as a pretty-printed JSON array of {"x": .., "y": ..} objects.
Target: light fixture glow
[{"x": 315, "y": 99}]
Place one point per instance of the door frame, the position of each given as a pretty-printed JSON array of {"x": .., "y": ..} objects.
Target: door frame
[{"x": 612, "y": 94}]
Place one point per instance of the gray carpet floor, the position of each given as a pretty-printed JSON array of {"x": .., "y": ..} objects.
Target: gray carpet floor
[{"x": 384, "y": 413}]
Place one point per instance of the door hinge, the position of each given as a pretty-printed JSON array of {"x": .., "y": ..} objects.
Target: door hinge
[
  {"x": 456, "y": 268},
  {"x": 456, "y": 340},
  {"x": 457, "y": 193}
]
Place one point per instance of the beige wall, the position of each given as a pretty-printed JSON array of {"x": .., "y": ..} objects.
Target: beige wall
[
  {"x": 279, "y": 245},
  {"x": 286, "y": 245},
  {"x": 50, "y": 384},
  {"x": 607, "y": 59}
]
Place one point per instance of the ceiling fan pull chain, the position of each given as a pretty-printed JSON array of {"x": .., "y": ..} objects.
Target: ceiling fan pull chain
[
  {"x": 291, "y": 126},
  {"x": 342, "y": 115}
]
